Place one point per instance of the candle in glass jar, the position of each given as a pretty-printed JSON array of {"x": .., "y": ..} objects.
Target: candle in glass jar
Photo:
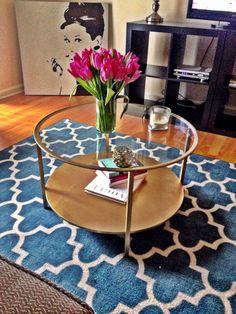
[{"x": 159, "y": 118}]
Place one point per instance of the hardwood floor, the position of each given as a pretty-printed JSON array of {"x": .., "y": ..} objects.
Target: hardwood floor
[{"x": 19, "y": 115}]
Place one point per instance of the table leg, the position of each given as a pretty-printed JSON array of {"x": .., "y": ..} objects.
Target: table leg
[
  {"x": 183, "y": 169},
  {"x": 128, "y": 217},
  {"x": 184, "y": 161},
  {"x": 42, "y": 180}
]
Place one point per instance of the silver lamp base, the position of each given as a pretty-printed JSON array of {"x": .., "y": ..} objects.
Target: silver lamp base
[{"x": 154, "y": 17}]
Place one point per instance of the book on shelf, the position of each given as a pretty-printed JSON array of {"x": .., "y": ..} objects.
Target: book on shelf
[
  {"x": 118, "y": 194},
  {"x": 121, "y": 178}
]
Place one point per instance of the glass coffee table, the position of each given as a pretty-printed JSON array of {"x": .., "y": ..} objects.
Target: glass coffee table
[{"x": 69, "y": 136}]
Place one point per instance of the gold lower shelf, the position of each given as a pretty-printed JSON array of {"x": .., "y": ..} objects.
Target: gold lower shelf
[{"x": 156, "y": 200}]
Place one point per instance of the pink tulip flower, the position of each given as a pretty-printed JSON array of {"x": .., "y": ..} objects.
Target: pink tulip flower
[
  {"x": 80, "y": 68},
  {"x": 118, "y": 71},
  {"x": 132, "y": 71},
  {"x": 86, "y": 53},
  {"x": 97, "y": 59},
  {"x": 106, "y": 70}
]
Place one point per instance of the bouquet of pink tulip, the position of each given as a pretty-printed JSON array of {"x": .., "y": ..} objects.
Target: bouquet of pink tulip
[{"x": 104, "y": 73}]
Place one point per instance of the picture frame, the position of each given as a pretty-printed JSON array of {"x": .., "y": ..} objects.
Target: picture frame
[{"x": 49, "y": 34}]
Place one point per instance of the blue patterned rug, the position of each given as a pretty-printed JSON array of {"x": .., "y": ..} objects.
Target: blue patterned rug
[{"x": 187, "y": 265}]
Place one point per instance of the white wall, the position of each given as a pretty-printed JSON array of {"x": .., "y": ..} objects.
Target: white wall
[
  {"x": 122, "y": 11},
  {"x": 10, "y": 65}
]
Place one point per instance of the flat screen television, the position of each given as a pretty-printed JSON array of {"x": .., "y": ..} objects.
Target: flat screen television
[{"x": 220, "y": 10}]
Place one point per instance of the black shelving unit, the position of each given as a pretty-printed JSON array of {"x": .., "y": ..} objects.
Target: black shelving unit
[
  {"x": 222, "y": 119},
  {"x": 207, "y": 116}
]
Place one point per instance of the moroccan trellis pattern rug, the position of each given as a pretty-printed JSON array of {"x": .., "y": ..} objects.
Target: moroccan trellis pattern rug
[{"x": 187, "y": 265}]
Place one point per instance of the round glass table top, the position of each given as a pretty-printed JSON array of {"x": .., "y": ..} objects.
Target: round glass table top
[{"x": 70, "y": 135}]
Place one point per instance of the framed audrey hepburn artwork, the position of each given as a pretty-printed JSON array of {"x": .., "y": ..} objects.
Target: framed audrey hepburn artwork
[{"x": 49, "y": 33}]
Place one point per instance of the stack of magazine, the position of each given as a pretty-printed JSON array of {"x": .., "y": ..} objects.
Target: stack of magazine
[{"x": 112, "y": 184}]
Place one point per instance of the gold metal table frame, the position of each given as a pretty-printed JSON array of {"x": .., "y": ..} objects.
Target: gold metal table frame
[{"x": 157, "y": 199}]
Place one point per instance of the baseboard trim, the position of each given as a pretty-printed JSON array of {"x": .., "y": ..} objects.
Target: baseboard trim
[{"x": 16, "y": 89}]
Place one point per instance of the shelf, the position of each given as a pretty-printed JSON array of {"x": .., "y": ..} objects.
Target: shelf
[
  {"x": 64, "y": 191},
  {"x": 187, "y": 112},
  {"x": 226, "y": 124},
  {"x": 226, "y": 121},
  {"x": 175, "y": 27},
  {"x": 190, "y": 81},
  {"x": 230, "y": 110},
  {"x": 153, "y": 71},
  {"x": 161, "y": 72},
  {"x": 215, "y": 92}
]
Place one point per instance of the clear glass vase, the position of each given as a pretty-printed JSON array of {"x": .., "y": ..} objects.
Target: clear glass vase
[{"x": 106, "y": 116}]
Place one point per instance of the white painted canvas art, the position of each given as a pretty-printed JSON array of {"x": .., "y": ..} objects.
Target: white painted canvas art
[{"x": 49, "y": 33}]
